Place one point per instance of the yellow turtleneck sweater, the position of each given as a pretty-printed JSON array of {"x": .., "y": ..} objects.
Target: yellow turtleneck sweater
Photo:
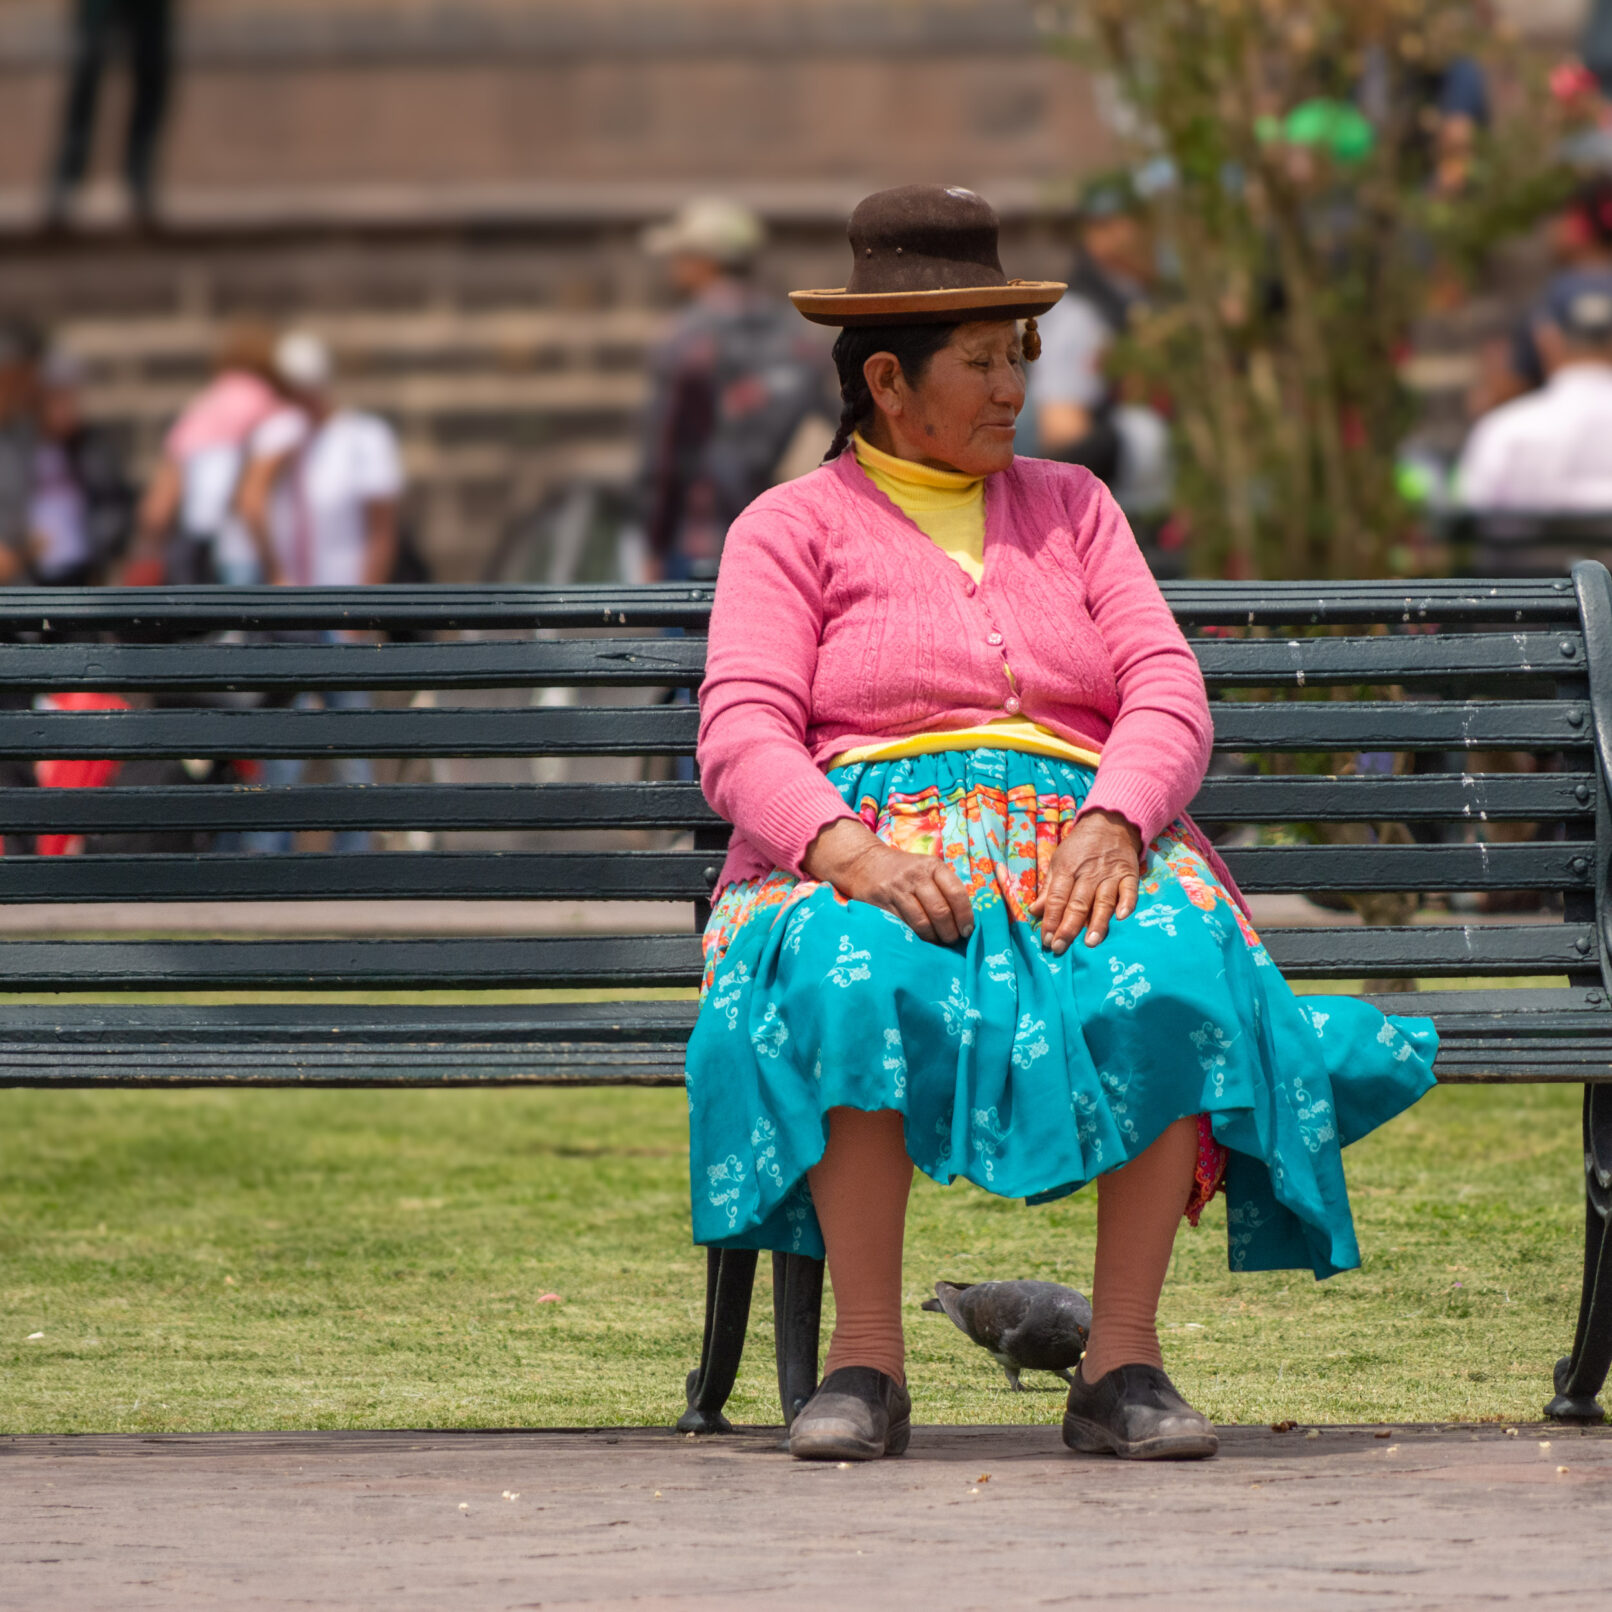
[{"x": 949, "y": 509}]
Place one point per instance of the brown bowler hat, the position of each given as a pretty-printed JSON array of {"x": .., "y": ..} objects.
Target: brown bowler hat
[{"x": 926, "y": 255}]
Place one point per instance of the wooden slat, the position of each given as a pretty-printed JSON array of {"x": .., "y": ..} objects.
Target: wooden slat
[
  {"x": 188, "y": 668},
  {"x": 1367, "y": 797},
  {"x": 338, "y": 1024},
  {"x": 1432, "y": 951},
  {"x": 1453, "y": 602},
  {"x": 619, "y": 961},
  {"x": 1402, "y": 658},
  {"x": 571, "y": 961},
  {"x": 1226, "y": 662},
  {"x": 1400, "y": 725},
  {"x": 371, "y": 876},
  {"x": 207, "y": 808},
  {"x": 443, "y": 731},
  {"x": 1538, "y": 1010},
  {"x": 671, "y": 729},
  {"x": 1553, "y": 865},
  {"x": 165, "y": 613},
  {"x": 433, "y": 1064},
  {"x": 1548, "y": 1036},
  {"x": 689, "y": 875},
  {"x": 162, "y": 612}
]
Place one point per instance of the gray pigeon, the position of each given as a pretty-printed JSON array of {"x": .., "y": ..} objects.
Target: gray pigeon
[{"x": 1027, "y": 1326}]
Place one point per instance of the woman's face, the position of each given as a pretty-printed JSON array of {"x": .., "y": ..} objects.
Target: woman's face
[{"x": 962, "y": 412}]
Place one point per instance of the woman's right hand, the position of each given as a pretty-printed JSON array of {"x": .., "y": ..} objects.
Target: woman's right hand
[{"x": 921, "y": 890}]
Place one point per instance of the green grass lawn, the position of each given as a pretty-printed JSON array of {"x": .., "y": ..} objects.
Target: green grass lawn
[{"x": 285, "y": 1259}]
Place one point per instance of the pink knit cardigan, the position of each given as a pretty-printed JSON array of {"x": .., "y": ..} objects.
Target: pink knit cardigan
[{"x": 837, "y": 623}]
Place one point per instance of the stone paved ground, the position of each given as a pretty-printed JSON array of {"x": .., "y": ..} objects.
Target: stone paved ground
[{"x": 1422, "y": 1518}]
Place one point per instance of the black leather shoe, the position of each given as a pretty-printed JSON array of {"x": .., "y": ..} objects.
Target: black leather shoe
[
  {"x": 1135, "y": 1413},
  {"x": 858, "y": 1414}
]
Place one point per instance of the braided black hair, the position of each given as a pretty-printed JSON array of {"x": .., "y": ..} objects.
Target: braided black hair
[{"x": 912, "y": 346}]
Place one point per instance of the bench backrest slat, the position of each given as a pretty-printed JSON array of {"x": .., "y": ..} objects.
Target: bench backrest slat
[
  {"x": 633, "y": 730},
  {"x": 673, "y": 729},
  {"x": 449, "y": 963},
  {"x": 679, "y": 663},
  {"x": 514, "y": 808},
  {"x": 204, "y": 667}
]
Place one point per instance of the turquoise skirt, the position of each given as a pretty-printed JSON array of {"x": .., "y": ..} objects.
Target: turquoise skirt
[{"x": 1027, "y": 1073}]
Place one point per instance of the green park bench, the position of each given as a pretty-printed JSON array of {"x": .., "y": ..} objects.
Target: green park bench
[{"x": 1306, "y": 677}]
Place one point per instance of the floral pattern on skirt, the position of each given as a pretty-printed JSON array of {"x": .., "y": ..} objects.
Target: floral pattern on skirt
[{"x": 1027, "y": 1073}]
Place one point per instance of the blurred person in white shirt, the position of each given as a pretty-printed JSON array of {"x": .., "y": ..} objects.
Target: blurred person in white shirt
[
  {"x": 320, "y": 497},
  {"x": 322, "y": 483},
  {"x": 1550, "y": 451}
]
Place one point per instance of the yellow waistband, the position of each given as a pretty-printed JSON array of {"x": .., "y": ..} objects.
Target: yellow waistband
[{"x": 1030, "y": 737}]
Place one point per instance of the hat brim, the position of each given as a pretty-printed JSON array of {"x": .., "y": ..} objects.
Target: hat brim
[{"x": 1018, "y": 299}]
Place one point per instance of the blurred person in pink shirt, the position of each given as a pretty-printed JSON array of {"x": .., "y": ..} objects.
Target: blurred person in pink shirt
[{"x": 187, "y": 529}]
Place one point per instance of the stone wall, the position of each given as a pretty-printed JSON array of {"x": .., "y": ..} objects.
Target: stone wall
[{"x": 613, "y": 107}]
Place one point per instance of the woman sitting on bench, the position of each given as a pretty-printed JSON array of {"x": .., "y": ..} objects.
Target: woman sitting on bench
[{"x": 963, "y": 921}]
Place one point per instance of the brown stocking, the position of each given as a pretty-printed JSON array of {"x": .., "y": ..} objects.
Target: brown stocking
[
  {"x": 1138, "y": 1210},
  {"x": 859, "y": 1189}
]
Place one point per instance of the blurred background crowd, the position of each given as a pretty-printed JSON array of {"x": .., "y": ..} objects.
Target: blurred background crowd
[{"x": 352, "y": 291}]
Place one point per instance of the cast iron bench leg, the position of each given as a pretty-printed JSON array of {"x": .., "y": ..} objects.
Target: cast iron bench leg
[
  {"x": 797, "y": 1313},
  {"x": 730, "y": 1274},
  {"x": 1579, "y": 1377}
]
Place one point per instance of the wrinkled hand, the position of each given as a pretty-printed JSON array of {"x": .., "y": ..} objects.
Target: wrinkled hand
[
  {"x": 1093, "y": 878},
  {"x": 921, "y": 890}
]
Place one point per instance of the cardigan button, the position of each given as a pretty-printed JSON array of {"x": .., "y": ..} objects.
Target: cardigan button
[
  {"x": 1011, "y": 705},
  {"x": 968, "y": 587},
  {"x": 994, "y": 640}
]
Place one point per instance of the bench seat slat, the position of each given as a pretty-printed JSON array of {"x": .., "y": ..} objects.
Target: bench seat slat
[
  {"x": 195, "y": 808},
  {"x": 548, "y": 1051},
  {"x": 548, "y": 1065}
]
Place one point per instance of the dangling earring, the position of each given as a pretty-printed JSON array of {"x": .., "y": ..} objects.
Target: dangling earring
[{"x": 1031, "y": 344}]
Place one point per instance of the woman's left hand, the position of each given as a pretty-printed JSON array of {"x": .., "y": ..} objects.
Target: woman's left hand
[{"x": 1093, "y": 878}]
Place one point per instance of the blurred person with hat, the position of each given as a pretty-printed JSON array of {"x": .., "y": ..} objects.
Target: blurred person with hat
[
  {"x": 1579, "y": 237},
  {"x": 187, "y": 529},
  {"x": 322, "y": 484},
  {"x": 963, "y": 922},
  {"x": 321, "y": 495},
  {"x": 1550, "y": 451},
  {"x": 1077, "y": 412},
  {"x": 1071, "y": 399},
  {"x": 733, "y": 385}
]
